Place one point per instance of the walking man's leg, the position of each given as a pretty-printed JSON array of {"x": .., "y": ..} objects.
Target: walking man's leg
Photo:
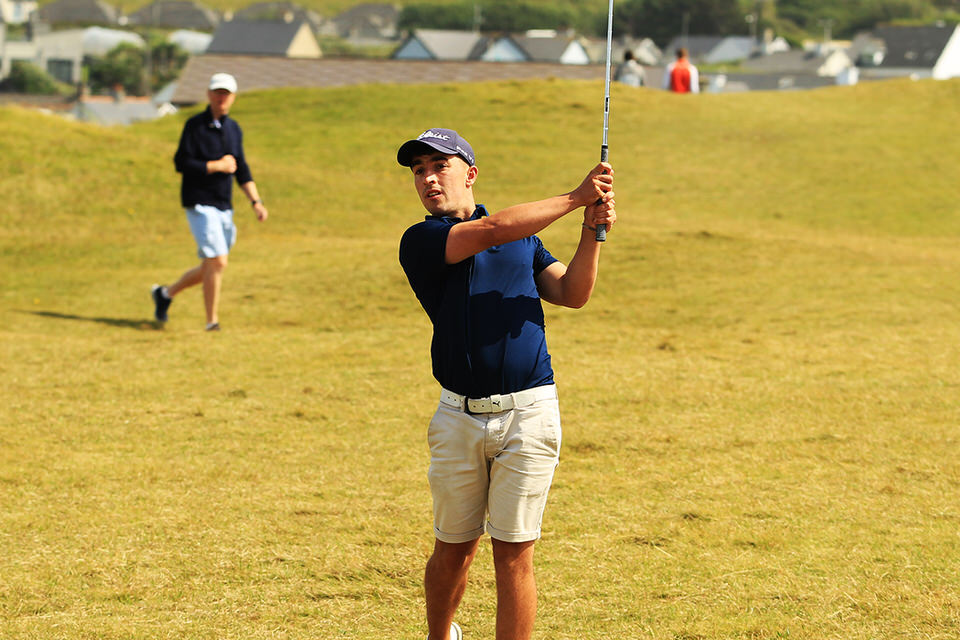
[
  {"x": 212, "y": 269},
  {"x": 445, "y": 580},
  {"x": 516, "y": 589},
  {"x": 189, "y": 278}
]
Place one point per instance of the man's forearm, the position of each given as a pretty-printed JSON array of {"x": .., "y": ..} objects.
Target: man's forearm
[
  {"x": 250, "y": 190},
  {"x": 529, "y": 218},
  {"x": 581, "y": 276}
]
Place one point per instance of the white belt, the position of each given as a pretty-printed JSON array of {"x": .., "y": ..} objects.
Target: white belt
[{"x": 499, "y": 402}]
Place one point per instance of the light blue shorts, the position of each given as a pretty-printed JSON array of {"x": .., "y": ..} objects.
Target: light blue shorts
[{"x": 213, "y": 229}]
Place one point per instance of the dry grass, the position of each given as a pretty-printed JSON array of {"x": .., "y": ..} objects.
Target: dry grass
[{"x": 760, "y": 403}]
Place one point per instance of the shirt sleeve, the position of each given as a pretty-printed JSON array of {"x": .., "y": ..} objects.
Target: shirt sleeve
[
  {"x": 694, "y": 80},
  {"x": 243, "y": 174},
  {"x": 541, "y": 257},
  {"x": 186, "y": 159},
  {"x": 422, "y": 250}
]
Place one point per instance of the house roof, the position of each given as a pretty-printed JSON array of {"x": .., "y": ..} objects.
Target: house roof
[
  {"x": 368, "y": 19},
  {"x": 270, "y": 72},
  {"x": 438, "y": 44},
  {"x": 794, "y": 61},
  {"x": 730, "y": 49},
  {"x": 697, "y": 46},
  {"x": 178, "y": 14},
  {"x": 544, "y": 49},
  {"x": 245, "y": 37},
  {"x": 279, "y": 10},
  {"x": 78, "y": 12},
  {"x": 918, "y": 47}
]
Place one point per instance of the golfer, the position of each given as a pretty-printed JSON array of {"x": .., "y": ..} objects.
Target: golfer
[
  {"x": 495, "y": 437},
  {"x": 210, "y": 156}
]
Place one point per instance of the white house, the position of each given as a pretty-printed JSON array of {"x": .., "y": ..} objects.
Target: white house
[
  {"x": 439, "y": 44},
  {"x": 537, "y": 46},
  {"x": 193, "y": 42},
  {"x": 61, "y": 53},
  {"x": 16, "y": 11}
]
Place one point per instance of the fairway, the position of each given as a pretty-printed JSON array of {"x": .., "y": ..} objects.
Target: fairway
[{"x": 761, "y": 402}]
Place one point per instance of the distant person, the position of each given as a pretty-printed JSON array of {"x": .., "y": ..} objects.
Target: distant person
[
  {"x": 681, "y": 76},
  {"x": 210, "y": 156},
  {"x": 495, "y": 436},
  {"x": 630, "y": 72}
]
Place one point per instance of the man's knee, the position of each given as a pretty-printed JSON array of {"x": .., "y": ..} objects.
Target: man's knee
[
  {"x": 513, "y": 556},
  {"x": 453, "y": 556},
  {"x": 218, "y": 263}
]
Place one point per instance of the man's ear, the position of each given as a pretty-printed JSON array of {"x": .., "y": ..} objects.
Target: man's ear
[{"x": 472, "y": 175}]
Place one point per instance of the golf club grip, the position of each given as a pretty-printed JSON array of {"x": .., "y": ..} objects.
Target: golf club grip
[{"x": 602, "y": 228}]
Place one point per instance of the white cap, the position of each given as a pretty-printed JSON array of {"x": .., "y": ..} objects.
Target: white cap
[{"x": 223, "y": 81}]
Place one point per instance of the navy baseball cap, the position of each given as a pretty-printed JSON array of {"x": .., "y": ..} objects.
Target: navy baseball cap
[{"x": 443, "y": 140}]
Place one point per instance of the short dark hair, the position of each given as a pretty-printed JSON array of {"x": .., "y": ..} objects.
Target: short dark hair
[
  {"x": 627, "y": 55},
  {"x": 682, "y": 52}
]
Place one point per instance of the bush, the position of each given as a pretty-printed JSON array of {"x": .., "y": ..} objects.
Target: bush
[{"x": 26, "y": 77}]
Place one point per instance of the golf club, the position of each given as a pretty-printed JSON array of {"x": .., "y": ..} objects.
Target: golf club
[{"x": 604, "y": 149}]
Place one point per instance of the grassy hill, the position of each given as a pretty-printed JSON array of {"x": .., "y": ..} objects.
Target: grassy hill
[{"x": 760, "y": 402}]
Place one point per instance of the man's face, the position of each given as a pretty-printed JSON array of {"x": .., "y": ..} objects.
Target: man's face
[
  {"x": 444, "y": 182},
  {"x": 220, "y": 101}
]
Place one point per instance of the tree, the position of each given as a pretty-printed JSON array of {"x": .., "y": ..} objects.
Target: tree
[
  {"x": 137, "y": 71},
  {"x": 121, "y": 67},
  {"x": 662, "y": 20}
]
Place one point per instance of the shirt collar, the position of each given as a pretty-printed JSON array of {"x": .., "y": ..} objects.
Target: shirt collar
[{"x": 213, "y": 124}]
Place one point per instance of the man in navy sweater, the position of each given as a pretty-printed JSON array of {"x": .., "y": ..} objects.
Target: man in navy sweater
[
  {"x": 210, "y": 156},
  {"x": 495, "y": 437}
]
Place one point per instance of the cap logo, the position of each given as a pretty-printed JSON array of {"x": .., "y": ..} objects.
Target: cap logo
[{"x": 431, "y": 134}]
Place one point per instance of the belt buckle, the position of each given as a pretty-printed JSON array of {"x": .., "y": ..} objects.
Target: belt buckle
[{"x": 491, "y": 404}]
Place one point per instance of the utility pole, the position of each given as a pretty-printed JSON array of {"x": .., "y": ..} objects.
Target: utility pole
[
  {"x": 827, "y": 31},
  {"x": 685, "y": 30},
  {"x": 477, "y": 16}
]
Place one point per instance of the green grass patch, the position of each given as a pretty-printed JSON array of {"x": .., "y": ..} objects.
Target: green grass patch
[{"x": 760, "y": 403}]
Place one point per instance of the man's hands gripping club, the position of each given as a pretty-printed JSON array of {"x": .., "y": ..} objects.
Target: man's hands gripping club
[{"x": 596, "y": 195}]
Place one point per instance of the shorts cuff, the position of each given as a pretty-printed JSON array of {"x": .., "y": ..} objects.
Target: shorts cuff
[
  {"x": 503, "y": 536},
  {"x": 457, "y": 538}
]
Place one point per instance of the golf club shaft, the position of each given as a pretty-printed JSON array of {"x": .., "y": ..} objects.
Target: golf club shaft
[{"x": 604, "y": 148}]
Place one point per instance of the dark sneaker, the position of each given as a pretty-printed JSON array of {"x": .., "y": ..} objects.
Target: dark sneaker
[
  {"x": 161, "y": 303},
  {"x": 213, "y": 326}
]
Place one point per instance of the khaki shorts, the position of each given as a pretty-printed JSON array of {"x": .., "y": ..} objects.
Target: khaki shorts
[{"x": 497, "y": 466}]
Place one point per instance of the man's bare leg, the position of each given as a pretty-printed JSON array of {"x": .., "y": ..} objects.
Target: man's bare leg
[
  {"x": 445, "y": 580},
  {"x": 189, "y": 278},
  {"x": 516, "y": 589},
  {"x": 212, "y": 273}
]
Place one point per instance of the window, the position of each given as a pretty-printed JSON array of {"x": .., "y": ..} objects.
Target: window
[{"x": 62, "y": 70}]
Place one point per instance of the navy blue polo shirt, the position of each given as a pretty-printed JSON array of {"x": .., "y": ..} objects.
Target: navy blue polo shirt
[
  {"x": 488, "y": 326},
  {"x": 203, "y": 140}
]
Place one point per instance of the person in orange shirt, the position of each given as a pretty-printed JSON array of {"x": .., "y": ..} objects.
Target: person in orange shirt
[{"x": 681, "y": 76}]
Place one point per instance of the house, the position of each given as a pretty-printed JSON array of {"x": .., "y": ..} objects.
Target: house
[
  {"x": 538, "y": 46},
  {"x": 78, "y": 12},
  {"x": 713, "y": 49},
  {"x": 368, "y": 22},
  {"x": 175, "y": 14},
  {"x": 62, "y": 53},
  {"x": 922, "y": 52},
  {"x": 193, "y": 42},
  {"x": 830, "y": 63},
  {"x": 16, "y": 11},
  {"x": 438, "y": 44},
  {"x": 292, "y": 39},
  {"x": 281, "y": 10},
  {"x": 645, "y": 51}
]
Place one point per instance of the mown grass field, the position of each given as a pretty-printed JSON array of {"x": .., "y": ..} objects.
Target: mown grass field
[{"x": 760, "y": 403}]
